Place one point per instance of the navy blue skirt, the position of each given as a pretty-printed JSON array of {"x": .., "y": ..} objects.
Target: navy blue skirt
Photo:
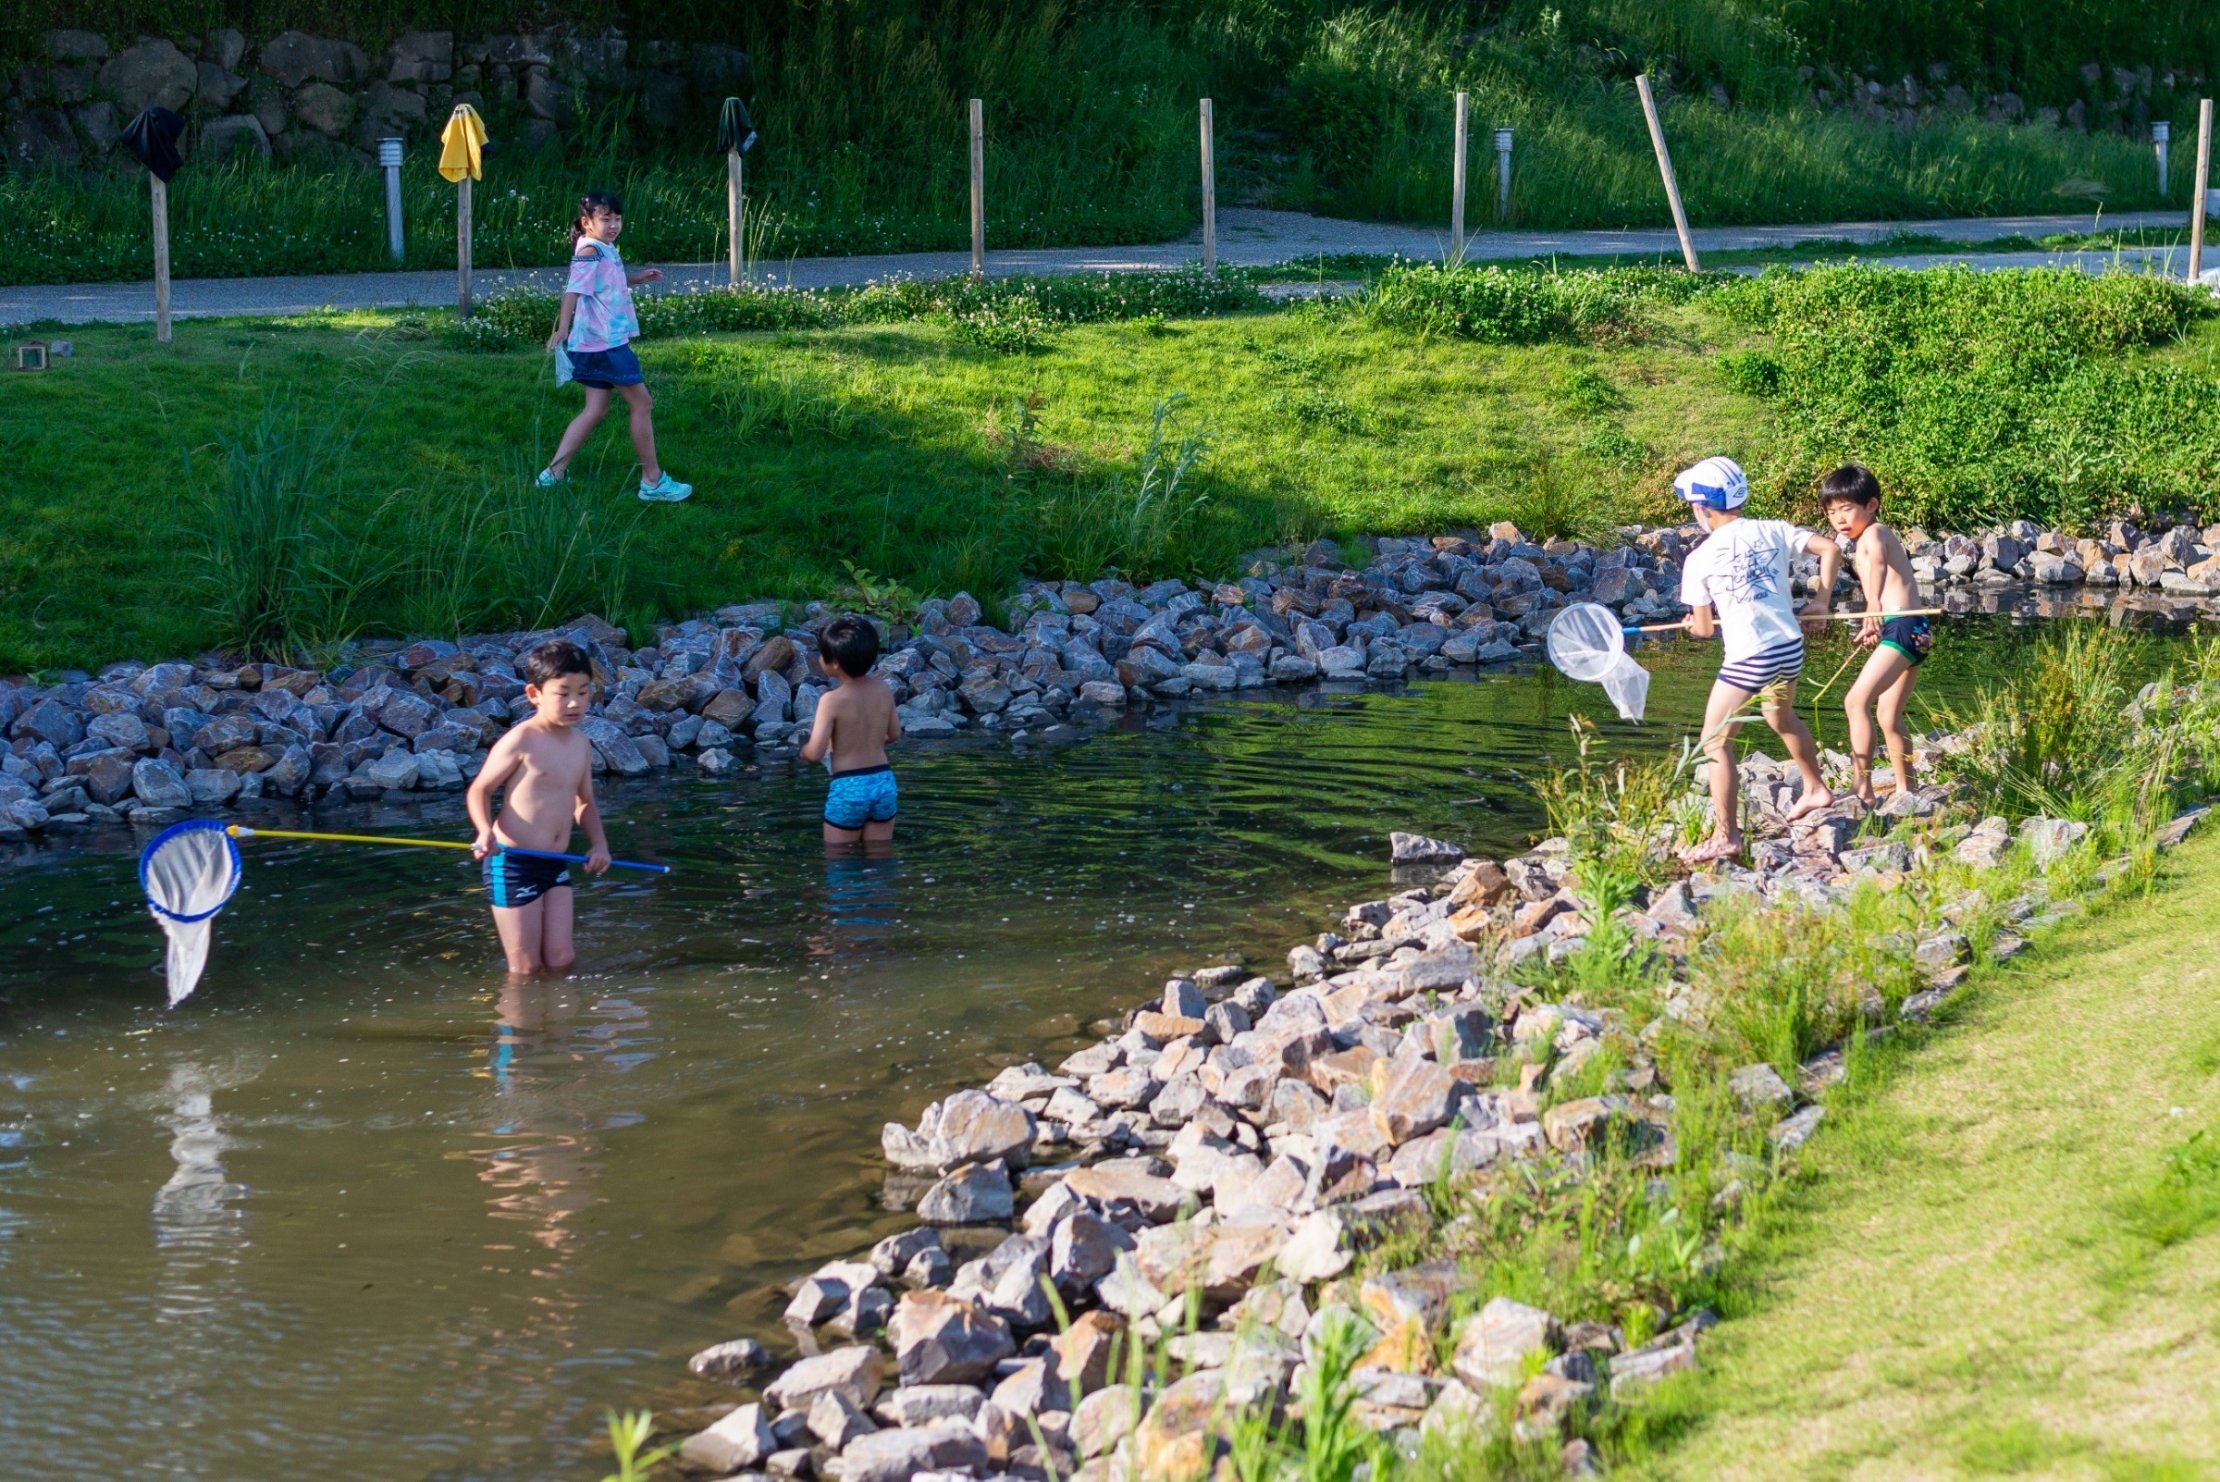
[{"x": 606, "y": 369}]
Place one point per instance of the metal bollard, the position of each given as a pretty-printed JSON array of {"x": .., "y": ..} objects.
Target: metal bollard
[
  {"x": 389, "y": 157},
  {"x": 2161, "y": 132},
  {"x": 1502, "y": 174}
]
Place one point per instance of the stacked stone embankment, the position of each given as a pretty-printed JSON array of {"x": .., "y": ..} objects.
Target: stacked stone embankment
[
  {"x": 151, "y": 741},
  {"x": 1218, "y": 1183}
]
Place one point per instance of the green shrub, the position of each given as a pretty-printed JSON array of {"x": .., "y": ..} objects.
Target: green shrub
[
  {"x": 997, "y": 313},
  {"x": 1751, "y": 372},
  {"x": 1522, "y": 306},
  {"x": 1984, "y": 396}
]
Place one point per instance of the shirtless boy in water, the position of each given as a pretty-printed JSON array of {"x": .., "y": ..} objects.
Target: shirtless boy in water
[
  {"x": 1851, "y": 496},
  {"x": 543, "y": 768},
  {"x": 854, "y": 725}
]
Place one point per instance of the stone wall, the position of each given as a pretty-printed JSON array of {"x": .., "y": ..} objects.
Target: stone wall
[
  {"x": 296, "y": 95},
  {"x": 2116, "y": 99}
]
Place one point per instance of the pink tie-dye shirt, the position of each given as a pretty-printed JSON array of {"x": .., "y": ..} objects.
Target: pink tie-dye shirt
[{"x": 604, "y": 319}]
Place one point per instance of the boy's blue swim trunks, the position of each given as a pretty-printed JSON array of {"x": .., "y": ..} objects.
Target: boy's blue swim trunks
[
  {"x": 520, "y": 879},
  {"x": 1909, "y": 636},
  {"x": 866, "y": 795}
]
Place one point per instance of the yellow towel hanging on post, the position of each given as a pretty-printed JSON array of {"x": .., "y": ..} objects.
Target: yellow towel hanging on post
[{"x": 460, "y": 143}]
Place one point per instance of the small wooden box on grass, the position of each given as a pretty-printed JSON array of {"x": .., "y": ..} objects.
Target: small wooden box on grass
[{"x": 30, "y": 355}]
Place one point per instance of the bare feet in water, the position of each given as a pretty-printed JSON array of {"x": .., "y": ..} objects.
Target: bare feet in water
[
  {"x": 1811, "y": 802},
  {"x": 1711, "y": 850}
]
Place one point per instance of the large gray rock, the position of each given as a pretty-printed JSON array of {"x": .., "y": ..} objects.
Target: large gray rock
[
  {"x": 1759, "y": 1085},
  {"x": 152, "y": 74},
  {"x": 295, "y": 57},
  {"x": 1007, "y": 1281},
  {"x": 974, "y": 1127},
  {"x": 613, "y": 747},
  {"x": 722, "y": 1360},
  {"x": 395, "y": 771},
  {"x": 1418, "y": 1097},
  {"x": 899, "y": 1455},
  {"x": 210, "y": 786},
  {"x": 325, "y": 108},
  {"x": 224, "y": 137},
  {"x": 1645, "y": 1366},
  {"x": 157, "y": 785},
  {"x": 977, "y": 1194},
  {"x": 1084, "y": 1249},
  {"x": 1418, "y": 849},
  {"x": 1492, "y": 1348},
  {"x": 53, "y": 722},
  {"x": 1104, "y": 1418},
  {"x": 837, "y": 1421},
  {"x": 119, "y": 728},
  {"x": 422, "y": 56},
  {"x": 857, "y": 1372},
  {"x": 2048, "y": 839},
  {"x": 940, "y": 1339},
  {"x": 214, "y": 87},
  {"x": 740, "y": 1440}
]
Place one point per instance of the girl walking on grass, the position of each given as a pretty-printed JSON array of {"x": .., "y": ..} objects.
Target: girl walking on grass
[{"x": 596, "y": 327}]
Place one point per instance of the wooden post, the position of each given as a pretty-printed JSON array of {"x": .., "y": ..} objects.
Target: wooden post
[
  {"x": 1457, "y": 184},
  {"x": 2197, "y": 190},
  {"x": 978, "y": 189},
  {"x": 1665, "y": 168},
  {"x": 462, "y": 248},
  {"x": 735, "y": 214},
  {"x": 161, "y": 194},
  {"x": 1209, "y": 192}
]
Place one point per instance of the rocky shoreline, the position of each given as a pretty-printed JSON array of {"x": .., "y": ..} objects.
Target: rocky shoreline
[
  {"x": 150, "y": 742},
  {"x": 1255, "y": 1170}
]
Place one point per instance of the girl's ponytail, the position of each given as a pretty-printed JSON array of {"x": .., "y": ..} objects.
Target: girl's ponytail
[{"x": 590, "y": 205}]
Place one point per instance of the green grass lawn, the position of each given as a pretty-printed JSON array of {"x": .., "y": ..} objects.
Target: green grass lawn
[
  {"x": 2006, "y": 1262},
  {"x": 887, "y": 447}
]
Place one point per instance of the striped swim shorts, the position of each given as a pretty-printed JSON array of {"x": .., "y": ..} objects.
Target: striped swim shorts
[{"x": 1766, "y": 666}]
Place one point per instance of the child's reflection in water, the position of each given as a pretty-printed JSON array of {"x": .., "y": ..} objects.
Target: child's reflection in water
[{"x": 860, "y": 915}]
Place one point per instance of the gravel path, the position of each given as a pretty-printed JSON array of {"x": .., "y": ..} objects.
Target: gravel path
[{"x": 1245, "y": 238}]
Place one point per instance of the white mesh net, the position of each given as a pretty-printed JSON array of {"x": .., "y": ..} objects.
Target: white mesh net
[
  {"x": 1587, "y": 642},
  {"x": 189, "y": 871}
]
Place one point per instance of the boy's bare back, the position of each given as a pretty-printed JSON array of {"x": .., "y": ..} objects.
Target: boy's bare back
[
  {"x": 543, "y": 773},
  {"x": 856, "y": 717}
]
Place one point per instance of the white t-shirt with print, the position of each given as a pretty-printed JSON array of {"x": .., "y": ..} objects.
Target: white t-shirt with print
[{"x": 1741, "y": 571}]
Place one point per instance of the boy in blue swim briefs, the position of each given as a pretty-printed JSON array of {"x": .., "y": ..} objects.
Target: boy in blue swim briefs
[
  {"x": 855, "y": 723},
  {"x": 1851, "y": 496},
  {"x": 543, "y": 769}
]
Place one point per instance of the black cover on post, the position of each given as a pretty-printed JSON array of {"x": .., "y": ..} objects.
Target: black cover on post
[
  {"x": 735, "y": 130},
  {"x": 153, "y": 137}
]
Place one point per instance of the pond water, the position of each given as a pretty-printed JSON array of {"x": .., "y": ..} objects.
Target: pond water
[{"x": 362, "y": 1202}]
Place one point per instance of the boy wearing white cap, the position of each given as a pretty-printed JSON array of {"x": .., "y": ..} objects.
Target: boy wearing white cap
[{"x": 1736, "y": 584}]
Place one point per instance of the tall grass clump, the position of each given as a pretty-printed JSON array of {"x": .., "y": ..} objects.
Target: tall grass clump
[
  {"x": 273, "y": 560},
  {"x": 1622, "y": 819},
  {"x": 519, "y": 318},
  {"x": 1145, "y": 522},
  {"x": 1985, "y": 396},
  {"x": 1524, "y": 306},
  {"x": 291, "y": 562},
  {"x": 2053, "y": 738}
]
